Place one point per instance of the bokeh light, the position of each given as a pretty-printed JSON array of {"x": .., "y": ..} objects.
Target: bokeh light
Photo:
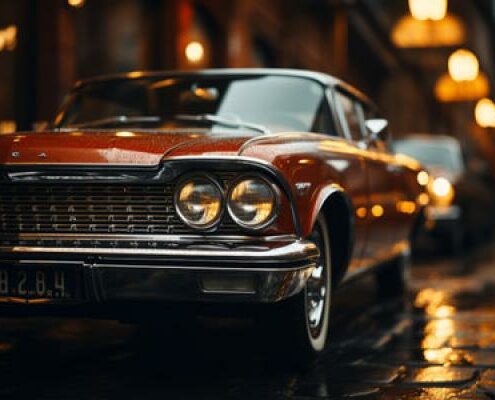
[
  {"x": 195, "y": 52},
  {"x": 76, "y": 3},
  {"x": 428, "y": 9},
  {"x": 484, "y": 113},
  {"x": 463, "y": 65}
]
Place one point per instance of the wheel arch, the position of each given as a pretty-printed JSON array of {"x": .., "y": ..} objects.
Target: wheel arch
[{"x": 337, "y": 209}]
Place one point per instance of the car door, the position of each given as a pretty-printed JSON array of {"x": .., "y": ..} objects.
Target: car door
[
  {"x": 387, "y": 178},
  {"x": 380, "y": 215},
  {"x": 354, "y": 181}
]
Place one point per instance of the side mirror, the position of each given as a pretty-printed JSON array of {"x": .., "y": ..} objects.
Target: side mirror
[{"x": 377, "y": 128}]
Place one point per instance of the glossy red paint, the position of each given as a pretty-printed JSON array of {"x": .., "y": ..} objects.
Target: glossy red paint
[{"x": 380, "y": 188}]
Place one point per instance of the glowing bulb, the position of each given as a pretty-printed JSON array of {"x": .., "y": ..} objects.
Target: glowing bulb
[
  {"x": 361, "y": 212},
  {"x": 463, "y": 65},
  {"x": 484, "y": 113},
  {"x": 195, "y": 52},
  {"x": 441, "y": 187},
  {"x": 428, "y": 9},
  {"x": 377, "y": 211},
  {"x": 76, "y": 3},
  {"x": 423, "y": 178},
  {"x": 423, "y": 199}
]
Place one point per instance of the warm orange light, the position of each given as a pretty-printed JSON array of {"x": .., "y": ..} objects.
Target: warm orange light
[
  {"x": 412, "y": 33},
  {"x": 463, "y": 65},
  {"x": 441, "y": 187},
  {"x": 76, "y": 3},
  {"x": 194, "y": 52},
  {"x": 428, "y": 9},
  {"x": 361, "y": 212},
  {"x": 7, "y": 126},
  {"x": 406, "y": 207},
  {"x": 423, "y": 178},
  {"x": 8, "y": 38},
  {"x": 377, "y": 211},
  {"x": 423, "y": 199},
  {"x": 484, "y": 113},
  {"x": 448, "y": 90},
  {"x": 125, "y": 134}
]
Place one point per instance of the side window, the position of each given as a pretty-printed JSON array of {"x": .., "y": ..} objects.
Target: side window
[
  {"x": 350, "y": 112},
  {"x": 323, "y": 122}
]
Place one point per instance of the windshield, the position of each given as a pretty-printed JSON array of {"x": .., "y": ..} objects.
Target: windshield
[
  {"x": 257, "y": 103},
  {"x": 433, "y": 154}
]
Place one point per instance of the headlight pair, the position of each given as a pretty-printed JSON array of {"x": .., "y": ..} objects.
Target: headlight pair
[{"x": 251, "y": 201}]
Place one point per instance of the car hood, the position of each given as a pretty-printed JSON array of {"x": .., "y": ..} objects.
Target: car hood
[{"x": 140, "y": 148}]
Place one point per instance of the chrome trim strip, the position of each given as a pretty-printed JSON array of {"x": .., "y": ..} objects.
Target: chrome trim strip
[
  {"x": 146, "y": 166},
  {"x": 291, "y": 252},
  {"x": 209, "y": 269},
  {"x": 220, "y": 158},
  {"x": 155, "y": 238}
]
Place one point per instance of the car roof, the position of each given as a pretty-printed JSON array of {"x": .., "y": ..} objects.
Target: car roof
[{"x": 324, "y": 79}]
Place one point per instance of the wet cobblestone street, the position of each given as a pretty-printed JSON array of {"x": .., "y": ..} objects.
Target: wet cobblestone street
[{"x": 440, "y": 346}]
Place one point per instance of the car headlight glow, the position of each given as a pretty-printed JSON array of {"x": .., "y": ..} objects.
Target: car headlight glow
[
  {"x": 441, "y": 192},
  {"x": 441, "y": 187},
  {"x": 199, "y": 202},
  {"x": 252, "y": 202},
  {"x": 423, "y": 178}
]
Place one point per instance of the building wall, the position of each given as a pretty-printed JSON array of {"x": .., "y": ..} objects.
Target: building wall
[{"x": 59, "y": 44}]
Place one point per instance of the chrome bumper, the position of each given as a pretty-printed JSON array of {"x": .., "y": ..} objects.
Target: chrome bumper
[{"x": 266, "y": 271}]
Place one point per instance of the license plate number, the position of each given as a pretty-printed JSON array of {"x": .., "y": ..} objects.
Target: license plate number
[{"x": 37, "y": 283}]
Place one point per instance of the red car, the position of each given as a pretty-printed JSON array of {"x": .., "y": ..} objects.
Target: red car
[{"x": 218, "y": 186}]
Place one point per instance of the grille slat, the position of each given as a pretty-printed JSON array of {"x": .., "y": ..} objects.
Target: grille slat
[{"x": 85, "y": 208}]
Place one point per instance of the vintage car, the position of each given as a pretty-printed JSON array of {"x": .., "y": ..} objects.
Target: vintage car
[
  {"x": 460, "y": 208},
  {"x": 216, "y": 186}
]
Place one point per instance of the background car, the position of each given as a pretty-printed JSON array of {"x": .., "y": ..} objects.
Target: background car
[{"x": 460, "y": 211}]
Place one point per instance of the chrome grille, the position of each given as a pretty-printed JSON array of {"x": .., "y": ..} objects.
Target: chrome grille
[{"x": 89, "y": 209}]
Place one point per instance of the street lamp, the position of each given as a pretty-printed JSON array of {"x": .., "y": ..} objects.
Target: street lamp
[
  {"x": 194, "y": 52},
  {"x": 448, "y": 90},
  {"x": 423, "y": 10},
  {"x": 463, "y": 65},
  {"x": 76, "y": 3},
  {"x": 484, "y": 113}
]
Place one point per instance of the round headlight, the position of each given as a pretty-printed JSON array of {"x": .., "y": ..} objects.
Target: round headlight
[
  {"x": 199, "y": 202},
  {"x": 252, "y": 203}
]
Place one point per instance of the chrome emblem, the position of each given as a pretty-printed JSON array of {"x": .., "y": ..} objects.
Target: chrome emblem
[
  {"x": 16, "y": 154},
  {"x": 42, "y": 155},
  {"x": 302, "y": 188}
]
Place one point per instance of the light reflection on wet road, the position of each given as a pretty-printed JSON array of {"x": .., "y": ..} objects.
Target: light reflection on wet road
[{"x": 442, "y": 346}]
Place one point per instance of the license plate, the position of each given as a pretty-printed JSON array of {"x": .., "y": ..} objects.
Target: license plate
[{"x": 38, "y": 284}]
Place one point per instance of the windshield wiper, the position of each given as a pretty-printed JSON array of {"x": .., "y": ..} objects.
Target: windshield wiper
[
  {"x": 118, "y": 119},
  {"x": 216, "y": 119}
]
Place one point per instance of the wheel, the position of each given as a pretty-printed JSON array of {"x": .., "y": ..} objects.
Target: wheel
[
  {"x": 300, "y": 324},
  {"x": 392, "y": 279}
]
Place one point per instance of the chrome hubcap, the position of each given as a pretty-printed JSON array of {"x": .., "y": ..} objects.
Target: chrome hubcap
[{"x": 316, "y": 290}]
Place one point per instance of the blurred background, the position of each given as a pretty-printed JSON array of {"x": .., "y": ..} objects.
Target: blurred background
[
  {"x": 429, "y": 64},
  {"x": 396, "y": 51}
]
